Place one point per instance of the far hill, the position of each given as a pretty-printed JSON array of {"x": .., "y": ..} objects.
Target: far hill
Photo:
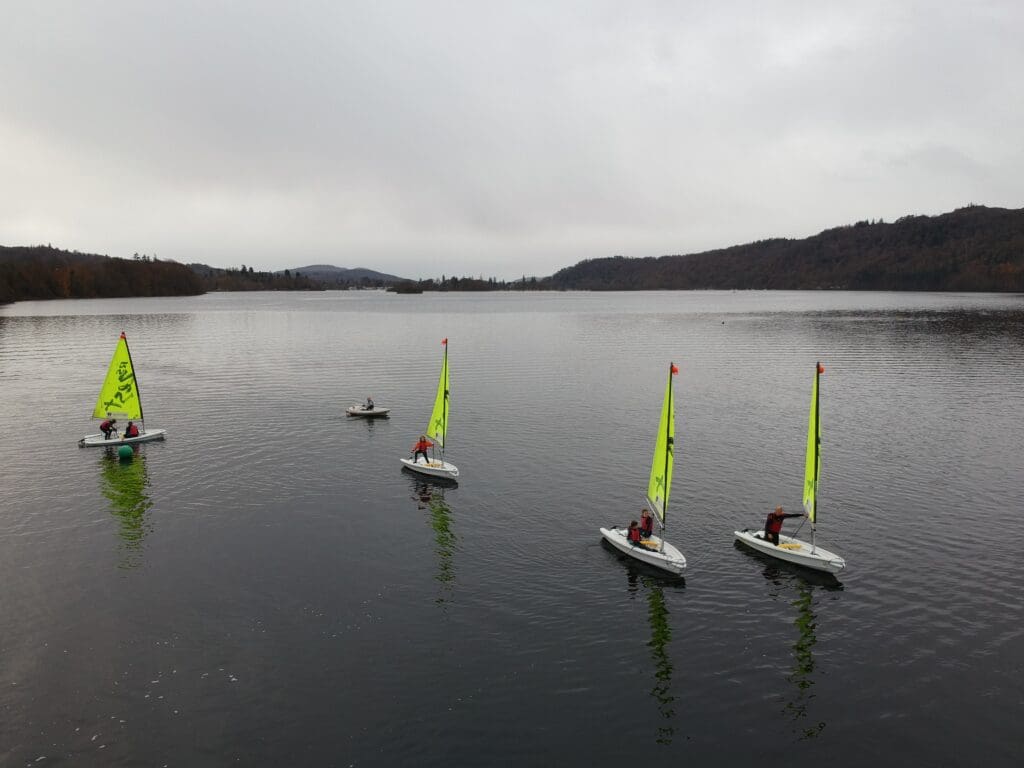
[
  {"x": 971, "y": 249},
  {"x": 341, "y": 276}
]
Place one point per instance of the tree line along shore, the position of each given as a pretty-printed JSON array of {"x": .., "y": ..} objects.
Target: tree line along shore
[{"x": 975, "y": 248}]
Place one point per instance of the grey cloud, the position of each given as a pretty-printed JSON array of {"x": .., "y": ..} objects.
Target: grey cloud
[{"x": 495, "y": 139}]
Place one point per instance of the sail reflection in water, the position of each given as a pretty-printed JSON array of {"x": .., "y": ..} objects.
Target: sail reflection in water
[
  {"x": 803, "y": 663},
  {"x": 430, "y": 497},
  {"x": 124, "y": 484},
  {"x": 661, "y": 636},
  {"x": 797, "y": 709}
]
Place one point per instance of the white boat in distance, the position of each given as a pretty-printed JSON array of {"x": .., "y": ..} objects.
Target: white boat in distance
[
  {"x": 792, "y": 549},
  {"x": 120, "y": 399},
  {"x": 367, "y": 413},
  {"x": 655, "y": 550},
  {"x": 437, "y": 430}
]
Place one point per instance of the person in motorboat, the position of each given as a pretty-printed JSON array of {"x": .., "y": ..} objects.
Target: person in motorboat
[
  {"x": 633, "y": 534},
  {"x": 422, "y": 446},
  {"x": 646, "y": 524},
  {"x": 131, "y": 430},
  {"x": 773, "y": 524},
  {"x": 369, "y": 404},
  {"x": 108, "y": 428}
]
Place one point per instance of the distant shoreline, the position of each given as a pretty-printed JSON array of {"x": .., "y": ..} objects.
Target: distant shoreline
[
  {"x": 970, "y": 250},
  {"x": 551, "y": 292}
]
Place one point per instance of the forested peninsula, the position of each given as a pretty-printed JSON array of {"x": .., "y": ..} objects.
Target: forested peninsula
[
  {"x": 971, "y": 249},
  {"x": 43, "y": 272}
]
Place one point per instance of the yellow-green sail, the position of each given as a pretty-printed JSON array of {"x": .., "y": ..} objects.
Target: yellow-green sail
[
  {"x": 812, "y": 463},
  {"x": 119, "y": 397},
  {"x": 438, "y": 426},
  {"x": 660, "y": 483}
]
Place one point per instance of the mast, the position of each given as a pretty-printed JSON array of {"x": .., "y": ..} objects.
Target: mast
[
  {"x": 444, "y": 403},
  {"x": 138, "y": 392},
  {"x": 668, "y": 452},
  {"x": 818, "y": 370}
]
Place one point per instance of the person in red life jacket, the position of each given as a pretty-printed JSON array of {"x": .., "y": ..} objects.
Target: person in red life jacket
[
  {"x": 421, "y": 447},
  {"x": 131, "y": 430},
  {"x": 633, "y": 533},
  {"x": 773, "y": 524},
  {"x": 646, "y": 524},
  {"x": 108, "y": 428}
]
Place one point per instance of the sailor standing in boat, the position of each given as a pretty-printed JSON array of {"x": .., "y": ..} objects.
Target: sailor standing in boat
[
  {"x": 421, "y": 447},
  {"x": 773, "y": 524},
  {"x": 108, "y": 428}
]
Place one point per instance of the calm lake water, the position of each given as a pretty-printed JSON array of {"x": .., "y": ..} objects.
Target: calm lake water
[{"x": 268, "y": 587}]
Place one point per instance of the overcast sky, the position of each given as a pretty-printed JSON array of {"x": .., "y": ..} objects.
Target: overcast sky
[{"x": 495, "y": 138}]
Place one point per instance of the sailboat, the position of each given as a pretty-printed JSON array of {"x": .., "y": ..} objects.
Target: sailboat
[
  {"x": 655, "y": 550},
  {"x": 120, "y": 399},
  {"x": 437, "y": 430},
  {"x": 791, "y": 549}
]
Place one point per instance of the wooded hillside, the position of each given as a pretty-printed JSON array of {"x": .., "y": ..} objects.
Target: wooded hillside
[
  {"x": 971, "y": 249},
  {"x": 42, "y": 272}
]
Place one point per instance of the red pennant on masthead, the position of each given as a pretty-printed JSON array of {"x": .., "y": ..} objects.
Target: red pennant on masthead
[
  {"x": 675, "y": 369},
  {"x": 821, "y": 368},
  {"x": 445, "y": 341}
]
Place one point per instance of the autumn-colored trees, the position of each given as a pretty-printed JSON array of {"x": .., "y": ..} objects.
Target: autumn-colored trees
[{"x": 42, "y": 272}]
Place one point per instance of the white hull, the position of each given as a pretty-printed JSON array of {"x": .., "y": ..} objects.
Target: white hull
[
  {"x": 93, "y": 441},
  {"x": 668, "y": 559},
  {"x": 793, "y": 551},
  {"x": 433, "y": 468},
  {"x": 358, "y": 410}
]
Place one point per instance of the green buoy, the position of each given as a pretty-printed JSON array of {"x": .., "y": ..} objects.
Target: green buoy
[{"x": 125, "y": 453}]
